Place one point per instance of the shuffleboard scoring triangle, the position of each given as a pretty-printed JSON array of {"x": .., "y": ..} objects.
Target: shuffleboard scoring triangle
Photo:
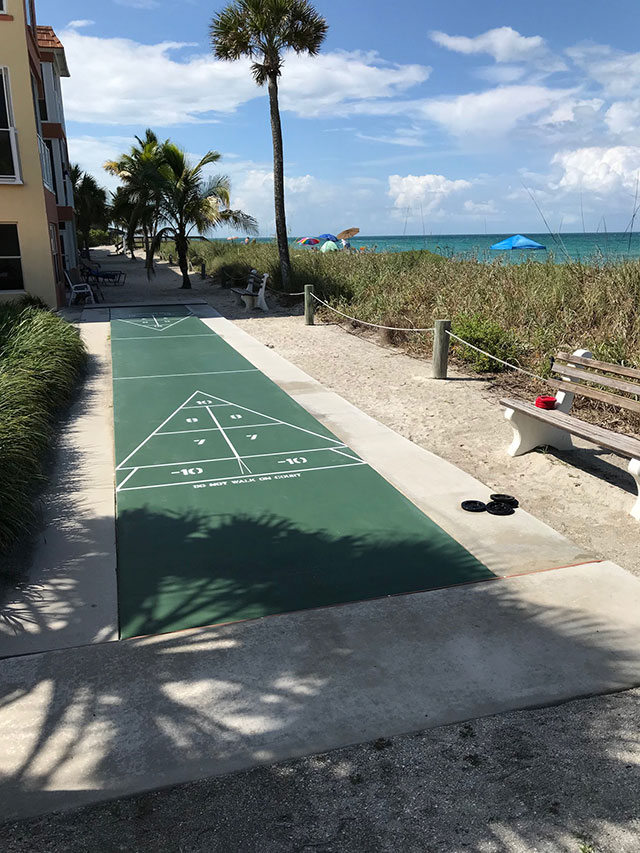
[{"x": 153, "y": 324}]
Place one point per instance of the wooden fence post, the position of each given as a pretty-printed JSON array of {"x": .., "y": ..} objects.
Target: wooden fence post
[
  {"x": 203, "y": 271},
  {"x": 440, "y": 349},
  {"x": 309, "y": 307}
]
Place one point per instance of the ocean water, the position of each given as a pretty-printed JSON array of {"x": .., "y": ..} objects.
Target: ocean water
[
  {"x": 599, "y": 247},
  {"x": 591, "y": 248}
]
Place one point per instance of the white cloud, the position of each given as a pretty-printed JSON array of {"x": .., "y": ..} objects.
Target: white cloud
[
  {"x": 617, "y": 72},
  {"x": 410, "y": 137},
  {"x": 579, "y": 110},
  {"x": 91, "y": 153},
  {"x": 491, "y": 113},
  {"x": 503, "y": 43},
  {"x": 115, "y": 81},
  {"x": 501, "y": 73},
  {"x": 482, "y": 208},
  {"x": 623, "y": 117},
  {"x": 342, "y": 83},
  {"x": 598, "y": 169},
  {"x": 427, "y": 190},
  {"x": 79, "y": 24}
]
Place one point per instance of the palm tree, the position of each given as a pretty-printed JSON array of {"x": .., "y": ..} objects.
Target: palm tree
[
  {"x": 138, "y": 171},
  {"x": 90, "y": 203},
  {"x": 123, "y": 212},
  {"x": 189, "y": 202},
  {"x": 262, "y": 30}
]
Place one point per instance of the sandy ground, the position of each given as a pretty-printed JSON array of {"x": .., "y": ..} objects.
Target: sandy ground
[{"x": 558, "y": 779}]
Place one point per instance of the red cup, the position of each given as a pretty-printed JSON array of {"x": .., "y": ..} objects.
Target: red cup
[{"x": 546, "y": 402}]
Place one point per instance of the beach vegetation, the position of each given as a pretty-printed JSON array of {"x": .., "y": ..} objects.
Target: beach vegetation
[
  {"x": 527, "y": 311},
  {"x": 189, "y": 202},
  {"x": 263, "y": 30},
  {"x": 90, "y": 203},
  {"x": 42, "y": 358},
  {"x": 137, "y": 201}
]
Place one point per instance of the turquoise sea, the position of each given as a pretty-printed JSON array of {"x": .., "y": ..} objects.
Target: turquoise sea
[
  {"x": 595, "y": 247},
  {"x": 586, "y": 247}
]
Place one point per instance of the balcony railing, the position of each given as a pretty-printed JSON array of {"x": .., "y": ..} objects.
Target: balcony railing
[{"x": 45, "y": 161}]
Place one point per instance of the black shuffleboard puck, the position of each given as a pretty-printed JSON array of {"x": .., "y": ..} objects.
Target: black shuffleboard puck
[
  {"x": 473, "y": 506},
  {"x": 506, "y": 499},
  {"x": 498, "y": 508}
]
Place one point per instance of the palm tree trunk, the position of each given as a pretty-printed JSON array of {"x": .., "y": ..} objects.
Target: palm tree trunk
[
  {"x": 182, "y": 246},
  {"x": 278, "y": 185}
]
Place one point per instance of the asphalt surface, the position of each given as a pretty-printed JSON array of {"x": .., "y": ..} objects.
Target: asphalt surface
[{"x": 557, "y": 779}]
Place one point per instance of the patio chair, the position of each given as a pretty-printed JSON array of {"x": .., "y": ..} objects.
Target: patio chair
[{"x": 82, "y": 289}]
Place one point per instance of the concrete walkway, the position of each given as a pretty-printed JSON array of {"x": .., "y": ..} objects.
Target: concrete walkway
[
  {"x": 98, "y": 721},
  {"x": 69, "y": 596}
]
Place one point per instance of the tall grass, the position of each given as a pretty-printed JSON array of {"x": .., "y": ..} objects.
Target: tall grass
[
  {"x": 540, "y": 308},
  {"x": 41, "y": 361}
]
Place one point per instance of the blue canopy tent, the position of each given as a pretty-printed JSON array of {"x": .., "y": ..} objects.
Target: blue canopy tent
[{"x": 518, "y": 242}]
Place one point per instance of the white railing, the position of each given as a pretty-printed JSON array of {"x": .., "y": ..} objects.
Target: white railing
[{"x": 45, "y": 160}]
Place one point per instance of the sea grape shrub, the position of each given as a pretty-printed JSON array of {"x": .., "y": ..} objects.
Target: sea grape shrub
[{"x": 486, "y": 334}]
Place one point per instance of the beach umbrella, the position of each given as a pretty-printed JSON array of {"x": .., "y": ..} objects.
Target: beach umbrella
[
  {"x": 308, "y": 241},
  {"x": 348, "y": 233},
  {"x": 329, "y": 246},
  {"x": 328, "y": 237},
  {"x": 517, "y": 242}
]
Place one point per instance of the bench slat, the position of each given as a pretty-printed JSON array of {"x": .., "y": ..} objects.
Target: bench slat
[
  {"x": 619, "y": 369},
  {"x": 597, "y": 394},
  {"x": 625, "y": 445},
  {"x": 586, "y": 376}
]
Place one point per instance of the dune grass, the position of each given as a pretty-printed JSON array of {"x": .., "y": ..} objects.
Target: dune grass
[
  {"x": 525, "y": 312},
  {"x": 41, "y": 361}
]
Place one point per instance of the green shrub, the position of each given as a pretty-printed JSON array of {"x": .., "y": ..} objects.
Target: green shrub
[
  {"x": 488, "y": 335},
  {"x": 98, "y": 237},
  {"x": 41, "y": 360}
]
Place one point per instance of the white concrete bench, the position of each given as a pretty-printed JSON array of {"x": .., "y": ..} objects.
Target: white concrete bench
[
  {"x": 579, "y": 374},
  {"x": 253, "y": 295}
]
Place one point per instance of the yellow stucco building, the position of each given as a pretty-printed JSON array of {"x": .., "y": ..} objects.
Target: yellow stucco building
[{"x": 37, "y": 230}]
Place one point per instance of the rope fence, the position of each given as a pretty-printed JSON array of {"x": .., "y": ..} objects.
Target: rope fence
[
  {"x": 365, "y": 323},
  {"x": 441, "y": 342},
  {"x": 495, "y": 358}
]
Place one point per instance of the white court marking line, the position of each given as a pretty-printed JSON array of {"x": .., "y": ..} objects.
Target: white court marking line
[
  {"x": 247, "y": 456},
  {"x": 155, "y": 432},
  {"x": 156, "y": 328},
  {"x": 212, "y": 429},
  {"x": 240, "y": 476},
  {"x": 206, "y": 373},
  {"x": 168, "y": 337},
  {"x": 213, "y": 406},
  {"x": 335, "y": 450},
  {"x": 228, "y": 440},
  {"x": 273, "y": 422},
  {"x": 283, "y": 423},
  {"x": 130, "y": 474}
]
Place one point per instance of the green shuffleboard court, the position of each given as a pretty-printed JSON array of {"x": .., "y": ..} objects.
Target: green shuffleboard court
[{"x": 233, "y": 502}]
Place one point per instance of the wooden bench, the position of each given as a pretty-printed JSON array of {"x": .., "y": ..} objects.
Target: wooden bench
[
  {"x": 581, "y": 374},
  {"x": 253, "y": 295}
]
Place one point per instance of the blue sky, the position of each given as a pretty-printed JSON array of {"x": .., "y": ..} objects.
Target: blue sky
[{"x": 451, "y": 113}]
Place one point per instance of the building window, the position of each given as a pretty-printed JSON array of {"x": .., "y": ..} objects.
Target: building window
[
  {"x": 9, "y": 172},
  {"x": 10, "y": 263},
  {"x": 3, "y": 7}
]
